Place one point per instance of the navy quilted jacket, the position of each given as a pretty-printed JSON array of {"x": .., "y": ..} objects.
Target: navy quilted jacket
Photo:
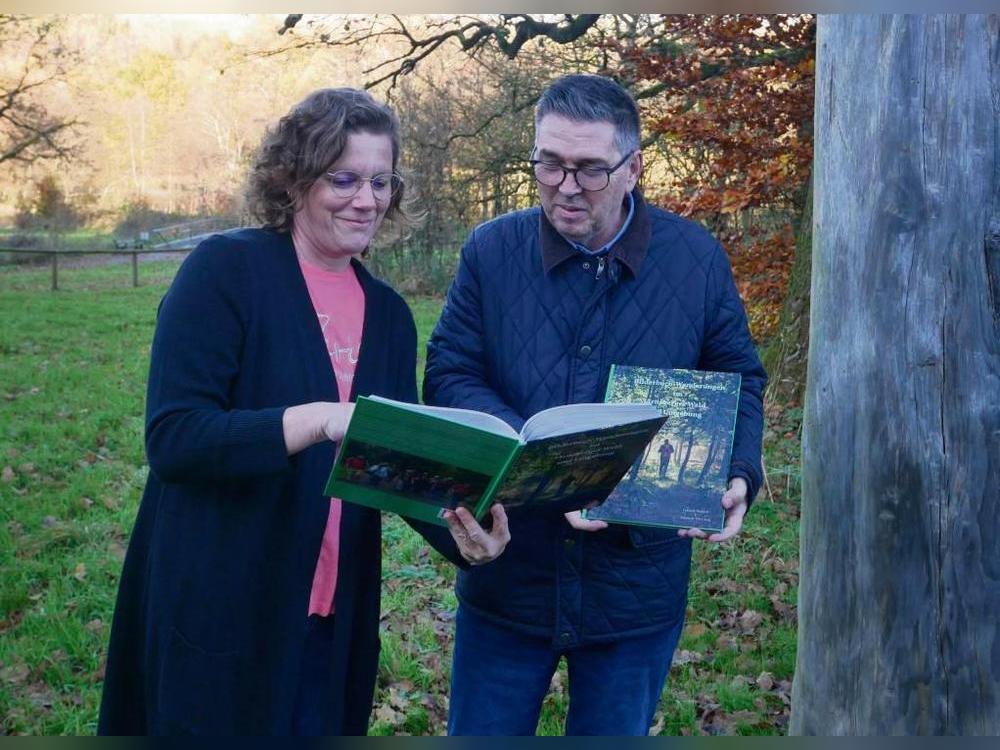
[{"x": 531, "y": 323}]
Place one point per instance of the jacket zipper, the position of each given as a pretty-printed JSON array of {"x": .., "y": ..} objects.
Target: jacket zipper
[{"x": 600, "y": 267}]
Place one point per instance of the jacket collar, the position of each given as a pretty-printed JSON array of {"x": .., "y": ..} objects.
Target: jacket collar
[{"x": 630, "y": 249}]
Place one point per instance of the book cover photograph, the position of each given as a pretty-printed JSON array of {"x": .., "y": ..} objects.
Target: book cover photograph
[
  {"x": 418, "y": 460},
  {"x": 572, "y": 471},
  {"x": 679, "y": 478}
]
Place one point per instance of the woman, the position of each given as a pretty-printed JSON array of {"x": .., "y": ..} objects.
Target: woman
[{"x": 249, "y": 602}]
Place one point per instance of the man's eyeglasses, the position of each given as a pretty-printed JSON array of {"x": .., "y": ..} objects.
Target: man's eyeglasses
[
  {"x": 346, "y": 184},
  {"x": 591, "y": 179}
]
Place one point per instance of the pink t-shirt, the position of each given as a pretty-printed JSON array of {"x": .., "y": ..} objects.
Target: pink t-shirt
[{"x": 339, "y": 302}]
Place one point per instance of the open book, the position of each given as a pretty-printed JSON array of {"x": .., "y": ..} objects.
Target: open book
[
  {"x": 679, "y": 479},
  {"x": 418, "y": 460}
]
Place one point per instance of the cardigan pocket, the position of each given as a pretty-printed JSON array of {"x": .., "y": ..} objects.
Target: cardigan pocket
[{"x": 200, "y": 692}]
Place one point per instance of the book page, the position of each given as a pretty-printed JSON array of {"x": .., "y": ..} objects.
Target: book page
[
  {"x": 478, "y": 419},
  {"x": 565, "y": 420}
]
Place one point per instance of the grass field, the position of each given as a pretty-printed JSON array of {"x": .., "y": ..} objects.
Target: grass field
[{"x": 72, "y": 379}]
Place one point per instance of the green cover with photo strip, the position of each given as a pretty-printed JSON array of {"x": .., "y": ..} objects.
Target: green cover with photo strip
[{"x": 680, "y": 478}]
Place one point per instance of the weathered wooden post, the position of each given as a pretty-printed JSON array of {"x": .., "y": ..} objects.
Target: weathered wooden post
[
  {"x": 899, "y": 602},
  {"x": 55, "y": 270},
  {"x": 135, "y": 269}
]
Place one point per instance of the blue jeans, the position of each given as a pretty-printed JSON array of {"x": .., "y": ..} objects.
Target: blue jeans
[{"x": 499, "y": 678}]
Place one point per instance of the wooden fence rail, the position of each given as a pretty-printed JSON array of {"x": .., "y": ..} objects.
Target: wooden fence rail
[{"x": 135, "y": 253}]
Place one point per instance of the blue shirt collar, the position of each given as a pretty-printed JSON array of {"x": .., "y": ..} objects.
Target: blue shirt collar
[{"x": 605, "y": 248}]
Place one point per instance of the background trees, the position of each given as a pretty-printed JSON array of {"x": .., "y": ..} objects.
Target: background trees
[
  {"x": 726, "y": 103},
  {"x": 32, "y": 69},
  {"x": 167, "y": 115}
]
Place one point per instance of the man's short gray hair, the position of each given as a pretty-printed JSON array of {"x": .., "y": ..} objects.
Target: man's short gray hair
[{"x": 592, "y": 98}]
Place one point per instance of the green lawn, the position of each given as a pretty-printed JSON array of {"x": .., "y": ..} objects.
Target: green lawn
[{"x": 72, "y": 377}]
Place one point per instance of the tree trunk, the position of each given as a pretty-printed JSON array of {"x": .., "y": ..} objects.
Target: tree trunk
[
  {"x": 687, "y": 457},
  {"x": 713, "y": 446},
  {"x": 900, "y": 576},
  {"x": 785, "y": 356}
]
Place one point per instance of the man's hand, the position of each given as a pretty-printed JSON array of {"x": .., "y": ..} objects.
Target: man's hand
[
  {"x": 475, "y": 544},
  {"x": 577, "y": 521},
  {"x": 735, "y": 503}
]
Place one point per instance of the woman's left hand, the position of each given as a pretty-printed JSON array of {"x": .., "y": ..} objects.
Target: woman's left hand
[
  {"x": 475, "y": 544},
  {"x": 308, "y": 424}
]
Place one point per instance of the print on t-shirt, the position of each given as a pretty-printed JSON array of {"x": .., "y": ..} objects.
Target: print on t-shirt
[{"x": 344, "y": 349}]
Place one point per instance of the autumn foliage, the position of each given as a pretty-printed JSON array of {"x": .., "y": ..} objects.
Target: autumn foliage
[{"x": 734, "y": 121}]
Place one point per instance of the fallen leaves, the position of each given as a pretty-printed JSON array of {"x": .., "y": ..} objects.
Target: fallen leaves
[
  {"x": 740, "y": 623},
  {"x": 695, "y": 629},
  {"x": 683, "y": 656},
  {"x": 749, "y": 621},
  {"x": 785, "y": 612},
  {"x": 764, "y": 681},
  {"x": 659, "y": 720},
  {"x": 15, "y": 673},
  {"x": 386, "y": 714}
]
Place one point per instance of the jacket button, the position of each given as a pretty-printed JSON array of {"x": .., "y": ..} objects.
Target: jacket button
[
  {"x": 585, "y": 351},
  {"x": 564, "y": 637},
  {"x": 586, "y": 265},
  {"x": 569, "y": 543}
]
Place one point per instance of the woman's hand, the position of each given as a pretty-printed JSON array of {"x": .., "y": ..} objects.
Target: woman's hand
[
  {"x": 475, "y": 544},
  {"x": 308, "y": 424},
  {"x": 335, "y": 420}
]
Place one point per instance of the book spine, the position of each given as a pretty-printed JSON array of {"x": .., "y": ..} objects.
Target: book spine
[
  {"x": 339, "y": 459},
  {"x": 483, "y": 506},
  {"x": 611, "y": 381},
  {"x": 732, "y": 431}
]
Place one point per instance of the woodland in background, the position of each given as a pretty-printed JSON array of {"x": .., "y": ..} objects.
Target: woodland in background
[{"x": 116, "y": 125}]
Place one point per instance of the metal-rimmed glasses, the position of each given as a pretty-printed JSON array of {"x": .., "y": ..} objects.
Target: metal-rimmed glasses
[{"x": 345, "y": 184}]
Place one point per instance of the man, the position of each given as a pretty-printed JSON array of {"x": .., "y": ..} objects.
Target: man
[
  {"x": 544, "y": 302},
  {"x": 666, "y": 451}
]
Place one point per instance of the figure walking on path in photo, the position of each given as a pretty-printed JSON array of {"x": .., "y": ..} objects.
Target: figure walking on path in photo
[{"x": 666, "y": 451}]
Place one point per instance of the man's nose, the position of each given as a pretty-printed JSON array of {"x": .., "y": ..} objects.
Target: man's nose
[{"x": 569, "y": 185}]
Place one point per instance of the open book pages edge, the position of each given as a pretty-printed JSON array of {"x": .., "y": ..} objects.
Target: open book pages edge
[
  {"x": 470, "y": 418},
  {"x": 565, "y": 420}
]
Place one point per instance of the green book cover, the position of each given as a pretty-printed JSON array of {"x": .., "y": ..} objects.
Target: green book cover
[
  {"x": 419, "y": 460},
  {"x": 679, "y": 479}
]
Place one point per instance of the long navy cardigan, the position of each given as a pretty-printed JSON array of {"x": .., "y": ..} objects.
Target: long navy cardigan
[{"x": 210, "y": 621}]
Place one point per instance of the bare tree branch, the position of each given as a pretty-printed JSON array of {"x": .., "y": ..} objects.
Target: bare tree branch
[
  {"x": 509, "y": 33},
  {"x": 28, "y": 132}
]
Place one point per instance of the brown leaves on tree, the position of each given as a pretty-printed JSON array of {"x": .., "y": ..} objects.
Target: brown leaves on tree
[{"x": 734, "y": 118}]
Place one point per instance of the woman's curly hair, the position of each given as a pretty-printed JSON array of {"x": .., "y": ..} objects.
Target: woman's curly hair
[{"x": 305, "y": 142}]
